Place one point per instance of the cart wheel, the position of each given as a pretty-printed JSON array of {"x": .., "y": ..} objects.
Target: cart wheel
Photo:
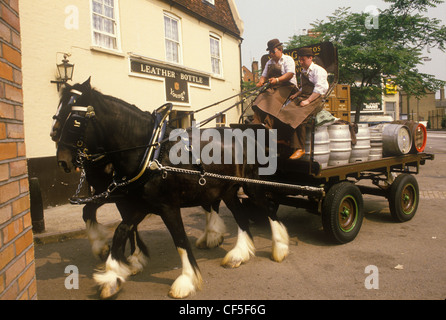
[
  {"x": 342, "y": 212},
  {"x": 404, "y": 197}
]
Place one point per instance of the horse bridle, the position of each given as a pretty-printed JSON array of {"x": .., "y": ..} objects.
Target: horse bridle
[{"x": 74, "y": 127}]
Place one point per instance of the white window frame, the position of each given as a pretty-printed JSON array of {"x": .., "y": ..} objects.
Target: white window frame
[
  {"x": 116, "y": 26},
  {"x": 218, "y": 58},
  {"x": 211, "y": 2},
  {"x": 169, "y": 40}
]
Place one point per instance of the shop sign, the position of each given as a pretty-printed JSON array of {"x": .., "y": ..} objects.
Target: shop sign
[{"x": 176, "y": 80}]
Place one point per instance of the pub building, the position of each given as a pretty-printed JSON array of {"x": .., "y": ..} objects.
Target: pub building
[{"x": 145, "y": 52}]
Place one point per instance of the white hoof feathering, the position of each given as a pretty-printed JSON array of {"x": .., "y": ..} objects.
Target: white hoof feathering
[
  {"x": 212, "y": 236},
  {"x": 97, "y": 234},
  {"x": 188, "y": 282},
  {"x": 280, "y": 241},
  {"x": 138, "y": 260},
  {"x": 111, "y": 279},
  {"x": 242, "y": 251}
]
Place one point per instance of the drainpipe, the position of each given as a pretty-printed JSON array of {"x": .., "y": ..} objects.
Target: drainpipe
[{"x": 241, "y": 73}]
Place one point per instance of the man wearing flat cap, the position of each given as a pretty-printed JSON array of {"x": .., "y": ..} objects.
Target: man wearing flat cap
[
  {"x": 280, "y": 72},
  {"x": 307, "y": 101}
]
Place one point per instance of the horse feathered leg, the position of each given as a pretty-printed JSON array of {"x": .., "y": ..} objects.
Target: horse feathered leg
[
  {"x": 190, "y": 279},
  {"x": 244, "y": 247},
  {"x": 117, "y": 269},
  {"x": 242, "y": 251},
  {"x": 213, "y": 233},
  {"x": 280, "y": 240},
  {"x": 133, "y": 213},
  {"x": 97, "y": 233},
  {"x": 139, "y": 253}
]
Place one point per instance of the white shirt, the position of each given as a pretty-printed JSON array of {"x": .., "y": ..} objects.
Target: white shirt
[
  {"x": 287, "y": 64},
  {"x": 318, "y": 76}
]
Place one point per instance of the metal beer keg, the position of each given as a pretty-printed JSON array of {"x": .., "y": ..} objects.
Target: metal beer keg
[
  {"x": 361, "y": 150},
  {"x": 397, "y": 139},
  {"x": 376, "y": 142},
  {"x": 321, "y": 145},
  {"x": 340, "y": 144}
]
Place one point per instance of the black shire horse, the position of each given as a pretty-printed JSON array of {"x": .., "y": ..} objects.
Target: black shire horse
[{"x": 104, "y": 135}]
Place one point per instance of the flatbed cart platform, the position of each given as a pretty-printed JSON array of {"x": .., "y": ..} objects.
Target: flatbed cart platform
[
  {"x": 408, "y": 163},
  {"x": 334, "y": 194}
]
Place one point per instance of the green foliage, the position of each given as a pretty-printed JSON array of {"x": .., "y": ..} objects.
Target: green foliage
[
  {"x": 246, "y": 85},
  {"x": 368, "y": 56}
]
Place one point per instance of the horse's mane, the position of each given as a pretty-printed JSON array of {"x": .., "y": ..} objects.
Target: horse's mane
[
  {"x": 96, "y": 94},
  {"x": 131, "y": 107},
  {"x": 129, "y": 114}
]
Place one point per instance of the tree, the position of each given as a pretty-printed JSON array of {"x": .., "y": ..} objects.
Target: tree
[{"x": 370, "y": 54}]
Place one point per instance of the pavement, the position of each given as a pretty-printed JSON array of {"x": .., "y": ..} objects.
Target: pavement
[{"x": 65, "y": 222}]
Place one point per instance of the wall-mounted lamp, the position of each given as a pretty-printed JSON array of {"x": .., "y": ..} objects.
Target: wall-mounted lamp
[{"x": 65, "y": 71}]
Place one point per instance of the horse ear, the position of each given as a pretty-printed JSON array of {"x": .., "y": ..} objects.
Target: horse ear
[
  {"x": 65, "y": 88},
  {"x": 87, "y": 83},
  {"x": 66, "y": 85}
]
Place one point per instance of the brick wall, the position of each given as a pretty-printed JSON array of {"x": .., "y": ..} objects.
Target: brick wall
[{"x": 17, "y": 267}]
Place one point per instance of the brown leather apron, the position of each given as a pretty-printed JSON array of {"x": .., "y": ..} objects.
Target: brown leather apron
[
  {"x": 273, "y": 98},
  {"x": 293, "y": 114}
]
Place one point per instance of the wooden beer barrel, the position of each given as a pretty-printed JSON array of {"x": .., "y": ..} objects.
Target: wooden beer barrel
[{"x": 420, "y": 137}]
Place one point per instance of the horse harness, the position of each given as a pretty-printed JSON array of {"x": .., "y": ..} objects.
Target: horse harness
[
  {"x": 73, "y": 132},
  {"x": 76, "y": 125}
]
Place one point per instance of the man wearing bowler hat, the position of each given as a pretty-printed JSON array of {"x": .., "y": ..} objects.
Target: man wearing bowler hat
[
  {"x": 307, "y": 101},
  {"x": 280, "y": 72}
]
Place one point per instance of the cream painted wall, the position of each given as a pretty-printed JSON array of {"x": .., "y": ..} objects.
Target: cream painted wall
[{"x": 44, "y": 34}]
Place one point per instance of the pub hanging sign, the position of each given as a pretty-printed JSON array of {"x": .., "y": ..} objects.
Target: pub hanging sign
[{"x": 176, "y": 81}]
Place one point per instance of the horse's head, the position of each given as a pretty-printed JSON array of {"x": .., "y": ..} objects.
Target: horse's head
[
  {"x": 67, "y": 125},
  {"x": 77, "y": 94},
  {"x": 89, "y": 126}
]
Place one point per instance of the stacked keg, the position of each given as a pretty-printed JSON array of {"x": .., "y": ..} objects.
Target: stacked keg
[
  {"x": 321, "y": 149},
  {"x": 376, "y": 142},
  {"x": 340, "y": 144},
  {"x": 397, "y": 139},
  {"x": 418, "y": 133},
  {"x": 333, "y": 144},
  {"x": 361, "y": 150}
]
